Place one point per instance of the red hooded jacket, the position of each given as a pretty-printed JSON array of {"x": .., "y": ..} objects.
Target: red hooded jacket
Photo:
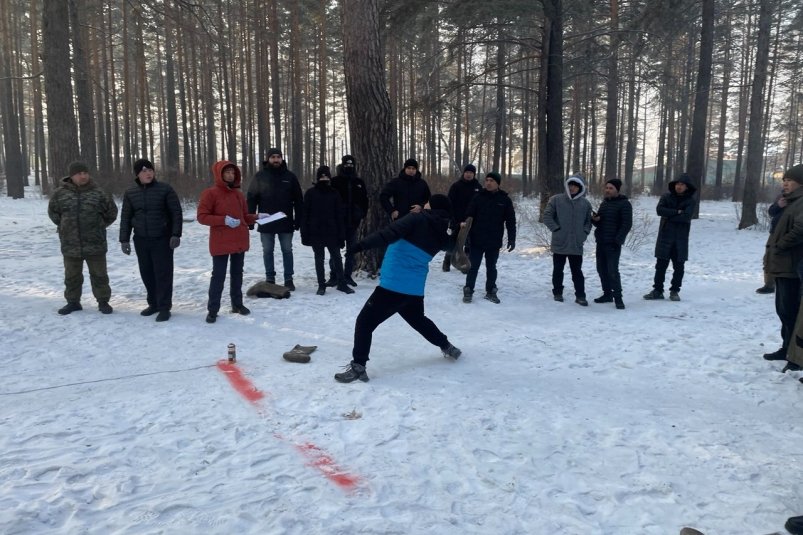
[{"x": 223, "y": 200}]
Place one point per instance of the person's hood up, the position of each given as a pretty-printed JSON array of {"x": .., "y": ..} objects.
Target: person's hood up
[
  {"x": 217, "y": 173},
  {"x": 577, "y": 180},
  {"x": 683, "y": 179}
]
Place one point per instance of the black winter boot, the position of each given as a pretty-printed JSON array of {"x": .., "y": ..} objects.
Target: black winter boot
[
  {"x": 490, "y": 295},
  {"x": 350, "y": 281},
  {"x": 321, "y": 289},
  {"x": 558, "y": 297},
  {"x": 795, "y": 524},
  {"x": 345, "y": 288},
  {"x": 240, "y": 309},
  {"x": 604, "y": 298},
  {"x": 766, "y": 290},
  {"x": 150, "y": 311},
  {"x": 674, "y": 296},
  {"x": 105, "y": 307},
  {"x": 288, "y": 283},
  {"x": 654, "y": 295},
  {"x": 619, "y": 303},
  {"x": 163, "y": 315},
  {"x": 451, "y": 352},
  {"x": 331, "y": 283},
  {"x": 779, "y": 354},
  {"x": 69, "y": 308},
  {"x": 467, "y": 294},
  {"x": 352, "y": 372},
  {"x": 581, "y": 301}
]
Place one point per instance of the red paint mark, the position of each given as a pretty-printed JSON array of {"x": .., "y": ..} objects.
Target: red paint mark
[
  {"x": 239, "y": 381},
  {"x": 323, "y": 462}
]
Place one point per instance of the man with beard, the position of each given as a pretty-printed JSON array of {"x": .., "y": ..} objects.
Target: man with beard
[
  {"x": 276, "y": 189},
  {"x": 406, "y": 193},
  {"x": 613, "y": 220},
  {"x": 355, "y": 203}
]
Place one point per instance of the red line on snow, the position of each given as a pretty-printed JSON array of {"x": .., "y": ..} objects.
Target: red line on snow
[{"x": 315, "y": 456}]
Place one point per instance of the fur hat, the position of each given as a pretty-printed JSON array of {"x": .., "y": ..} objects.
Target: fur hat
[
  {"x": 496, "y": 176},
  {"x": 440, "y": 202},
  {"x": 615, "y": 182},
  {"x": 141, "y": 164},
  {"x": 78, "y": 167},
  {"x": 795, "y": 173}
]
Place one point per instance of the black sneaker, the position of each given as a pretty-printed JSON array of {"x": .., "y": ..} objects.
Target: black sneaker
[
  {"x": 791, "y": 367},
  {"x": 345, "y": 288},
  {"x": 240, "y": 309},
  {"x": 581, "y": 301},
  {"x": 163, "y": 315},
  {"x": 105, "y": 307},
  {"x": 69, "y": 308},
  {"x": 211, "y": 317},
  {"x": 288, "y": 283},
  {"x": 351, "y": 282},
  {"x": 619, "y": 303},
  {"x": 766, "y": 290},
  {"x": 451, "y": 352},
  {"x": 491, "y": 296},
  {"x": 557, "y": 297},
  {"x": 654, "y": 295},
  {"x": 352, "y": 372},
  {"x": 468, "y": 293},
  {"x": 604, "y": 298},
  {"x": 150, "y": 311},
  {"x": 321, "y": 289},
  {"x": 779, "y": 354}
]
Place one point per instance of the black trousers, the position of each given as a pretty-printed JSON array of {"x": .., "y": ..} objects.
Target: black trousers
[
  {"x": 576, "y": 267},
  {"x": 475, "y": 257},
  {"x": 219, "y": 263},
  {"x": 347, "y": 262},
  {"x": 382, "y": 305},
  {"x": 678, "y": 268},
  {"x": 155, "y": 259},
  {"x": 335, "y": 265},
  {"x": 787, "y": 303},
  {"x": 608, "y": 268}
]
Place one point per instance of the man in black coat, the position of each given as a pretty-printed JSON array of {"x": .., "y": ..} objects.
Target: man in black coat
[
  {"x": 676, "y": 208},
  {"x": 276, "y": 189},
  {"x": 460, "y": 195},
  {"x": 492, "y": 211},
  {"x": 354, "y": 193},
  {"x": 152, "y": 210},
  {"x": 406, "y": 193},
  {"x": 613, "y": 220}
]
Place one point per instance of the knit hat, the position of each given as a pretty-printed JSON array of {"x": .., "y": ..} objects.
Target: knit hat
[
  {"x": 496, "y": 176},
  {"x": 795, "y": 173},
  {"x": 274, "y": 151},
  {"x": 410, "y": 163},
  {"x": 323, "y": 171},
  {"x": 440, "y": 202},
  {"x": 471, "y": 168},
  {"x": 615, "y": 182},
  {"x": 78, "y": 167},
  {"x": 348, "y": 159},
  {"x": 141, "y": 164}
]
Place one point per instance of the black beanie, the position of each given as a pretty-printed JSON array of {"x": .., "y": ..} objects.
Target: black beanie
[
  {"x": 410, "y": 163},
  {"x": 78, "y": 167},
  {"x": 348, "y": 159},
  {"x": 141, "y": 164},
  {"x": 795, "y": 173},
  {"x": 496, "y": 176},
  {"x": 615, "y": 182},
  {"x": 274, "y": 151},
  {"x": 440, "y": 202},
  {"x": 323, "y": 170},
  {"x": 471, "y": 168}
]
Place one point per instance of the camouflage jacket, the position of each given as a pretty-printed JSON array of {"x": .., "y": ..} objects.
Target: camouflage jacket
[{"x": 81, "y": 214}]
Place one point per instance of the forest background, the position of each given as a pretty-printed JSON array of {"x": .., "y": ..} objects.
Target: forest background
[{"x": 535, "y": 89}]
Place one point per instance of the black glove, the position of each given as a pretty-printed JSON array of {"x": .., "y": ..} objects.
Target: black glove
[
  {"x": 354, "y": 248},
  {"x": 175, "y": 241},
  {"x": 510, "y": 246},
  {"x": 125, "y": 247}
]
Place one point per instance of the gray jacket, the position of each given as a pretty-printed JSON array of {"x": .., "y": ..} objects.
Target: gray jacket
[{"x": 569, "y": 219}]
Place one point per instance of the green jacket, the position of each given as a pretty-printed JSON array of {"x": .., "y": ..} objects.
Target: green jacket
[
  {"x": 785, "y": 244},
  {"x": 81, "y": 215}
]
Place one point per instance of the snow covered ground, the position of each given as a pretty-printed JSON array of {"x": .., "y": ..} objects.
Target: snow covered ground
[{"x": 558, "y": 419}]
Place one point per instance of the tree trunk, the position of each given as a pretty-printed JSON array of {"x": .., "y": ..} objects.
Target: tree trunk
[
  {"x": 611, "y": 110},
  {"x": 552, "y": 154},
  {"x": 723, "y": 110},
  {"x": 14, "y": 167},
  {"x": 273, "y": 31}
]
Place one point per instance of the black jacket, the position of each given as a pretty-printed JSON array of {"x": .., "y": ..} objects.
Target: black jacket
[
  {"x": 151, "y": 211},
  {"x": 676, "y": 212},
  {"x": 322, "y": 223},
  {"x": 355, "y": 197},
  {"x": 492, "y": 212},
  {"x": 616, "y": 220},
  {"x": 460, "y": 195},
  {"x": 276, "y": 190},
  {"x": 405, "y": 191},
  {"x": 427, "y": 230}
]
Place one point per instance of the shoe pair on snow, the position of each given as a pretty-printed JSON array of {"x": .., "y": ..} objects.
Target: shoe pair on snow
[
  {"x": 656, "y": 295},
  {"x": 609, "y": 298},
  {"x": 103, "y": 306},
  {"x": 468, "y": 295},
  {"x": 579, "y": 300},
  {"x": 354, "y": 371}
]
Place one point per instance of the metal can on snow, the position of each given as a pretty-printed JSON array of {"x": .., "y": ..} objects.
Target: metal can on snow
[{"x": 232, "y": 353}]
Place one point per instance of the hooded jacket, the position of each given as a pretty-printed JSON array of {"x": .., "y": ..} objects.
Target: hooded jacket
[
  {"x": 223, "y": 200},
  {"x": 676, "y": 213},
  {"x": 151, "y": 211},
  {"x": 276, "y": 190},
  {"x": 569, "y": 219},
  {"x": 405, "y": 191},
  {"x": 322, "y": 223},
  {"x": 81, "y": 214},
  {"x": 785, "y": 244}
]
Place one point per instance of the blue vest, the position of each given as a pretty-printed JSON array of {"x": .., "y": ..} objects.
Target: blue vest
[{"x": 405, "y": 268}]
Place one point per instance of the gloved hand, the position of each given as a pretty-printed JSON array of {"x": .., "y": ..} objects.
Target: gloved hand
[
  {"x": 354, "y": 248},
  {"x": 232, "y": 222},
  {"x": 510, "y": 246},
  {"x": 125, "y": 247},
  {"x": 175, "y": 241}
]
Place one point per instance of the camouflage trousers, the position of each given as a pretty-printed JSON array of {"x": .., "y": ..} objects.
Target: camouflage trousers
[{"x": 98, "y": 277}]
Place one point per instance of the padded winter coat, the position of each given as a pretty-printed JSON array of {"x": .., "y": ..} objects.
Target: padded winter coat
[
  {"x": 323, "y": 222},
  {"x": 405, "y": 191},
  {"x": 222, "y": 200},
  {"x": 569, "y": 219},
  {"x": 354, "y": 193},
  {"x": 151, "y": 211},
  {"x": 276, "y": 190},
  {"x": 81, "y": 214},
  {"x": 785, "y": 244},
  {"x": 674, "y": 228},
  {"x": 616, "y": 220},
  {"x": 460, "y": 195},
  {"x": 492, "y": 212}
]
